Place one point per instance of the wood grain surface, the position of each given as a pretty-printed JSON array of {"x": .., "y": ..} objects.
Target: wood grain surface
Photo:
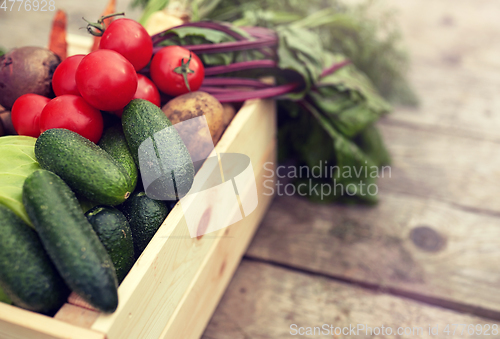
[
  {"x": 462, "y": 171},
  {"x": 433, "y": 240},
  {"x": 263, "y": 301},
  {"x": 409, "y": 246},
  {"x": 455, "y": 65}
]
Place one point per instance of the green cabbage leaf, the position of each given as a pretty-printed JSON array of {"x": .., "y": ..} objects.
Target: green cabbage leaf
[{"x": 17, "y": 161}]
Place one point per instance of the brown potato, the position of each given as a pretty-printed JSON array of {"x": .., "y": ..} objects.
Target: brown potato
[
  {"x": 229, "y": 113},
  {"x": 198, "y": 140},
  {"x": 197, "y": 104}
]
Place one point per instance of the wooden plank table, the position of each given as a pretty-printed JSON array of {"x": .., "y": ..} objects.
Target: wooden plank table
[{"x": 428, "y": 253}]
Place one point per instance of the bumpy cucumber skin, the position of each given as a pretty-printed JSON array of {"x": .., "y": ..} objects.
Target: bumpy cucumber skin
[
  {"x": 27, "y": 275},
  {"x": 113, "y": 141},
  {"x": 84, "y": 166},
  {"x": 142, "y": 120},
  {"x": 144, "y": 216},
  {"x": 113, "y": 230},
  {"x": 69, "y": 240}
]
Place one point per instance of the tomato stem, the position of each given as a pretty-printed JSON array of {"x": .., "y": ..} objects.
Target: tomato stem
[
  {"x": 101, "y": 20},
  {"x": 185, "y": 70},
  {"x": 98, "y": 28}
]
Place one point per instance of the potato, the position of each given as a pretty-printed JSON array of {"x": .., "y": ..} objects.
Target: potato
[
  {"x": 197, "y": 104},
  {"x": 26, "y": 70},
  {"x": 229, "y": 113},
  {"x": 192, "y": 105}
]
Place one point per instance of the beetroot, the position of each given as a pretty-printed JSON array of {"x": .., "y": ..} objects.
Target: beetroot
[{"x": 26, "y": 70}]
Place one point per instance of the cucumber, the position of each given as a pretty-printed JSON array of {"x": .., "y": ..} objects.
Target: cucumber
[
  {"x": 113, "y": 230},
  {"x": 27, "y": 276},
  {"x": 162, "y": 157},
  {"x": 84, "y": 166},
  {"x": 113, "y": 141},
  {"x": 85, "y": 203},
  {"x": 69, "y": 240},
  {"x": 144, "y": 216}
]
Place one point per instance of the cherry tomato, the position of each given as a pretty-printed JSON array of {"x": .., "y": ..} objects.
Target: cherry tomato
[
  {"x": 74, "y": 113},
  {"x": 130, "y": 39},
  {"x": 25, "y": 114},
  {"x": 146, "y": 90},
  {"x": 63, "y": 80},
  {"x": 170, "y": 68},
  {"x": 106, "y": 80}
]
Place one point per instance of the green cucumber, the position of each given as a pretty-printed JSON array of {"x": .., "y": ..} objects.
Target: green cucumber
[
  {"x": 113, "y": 230},
  {"x": 84, "y": 166},
  {"x": 113, "y": 141},
  {"x": 69, "y": 240},
  {"x": 27, "y": 276},
  {"x": 145, "y": 216},
  {"x": 162, "y": 157}
]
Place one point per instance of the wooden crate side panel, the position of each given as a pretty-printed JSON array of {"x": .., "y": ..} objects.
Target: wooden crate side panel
[
  {"x": 200, "y": 300},
  {"x": 159, "y": 279},
  {"x": 77, "y": 315},
  {"x": 16, "y": 323}
]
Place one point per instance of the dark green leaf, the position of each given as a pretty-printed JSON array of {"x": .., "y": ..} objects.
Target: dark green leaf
[
  {"x": 348, "y": 99},
  {"x": 300, "y": 51},
  {"x": 371, "y": 143}
]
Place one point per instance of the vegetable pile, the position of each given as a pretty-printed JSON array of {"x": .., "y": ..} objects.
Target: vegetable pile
[
  {"x": 71, "y": 204},
  {"x": 351, "y": 56},
  {"x": 84, "y": 185},
  {"x": 328, "y": 108}
]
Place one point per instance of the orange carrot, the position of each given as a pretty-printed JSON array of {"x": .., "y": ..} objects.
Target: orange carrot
[
  {"x": 110, "y": 9},
  {"x": 57, "y": 41}
]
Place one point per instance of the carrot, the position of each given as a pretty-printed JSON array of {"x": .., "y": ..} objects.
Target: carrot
[
  {"x": 57, "y": 41},
  {"x": 110, "y": 9}
]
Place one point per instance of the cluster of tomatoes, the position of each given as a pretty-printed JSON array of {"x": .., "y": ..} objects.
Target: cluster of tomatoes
[{"x": 107, "y": 80}]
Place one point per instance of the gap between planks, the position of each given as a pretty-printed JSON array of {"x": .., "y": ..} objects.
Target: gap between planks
[
  {"x": 454, "y": 131},
  {"x": 373, "y": 247},
  {"x": 453, "y": 65},
  {"x": 263, "y": 301},
  {"x": 439, "y": 302},
  {"x": 454, "y": 169}
]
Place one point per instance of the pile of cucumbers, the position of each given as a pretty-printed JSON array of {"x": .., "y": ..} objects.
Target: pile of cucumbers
[{"x": 91, "y": 253}]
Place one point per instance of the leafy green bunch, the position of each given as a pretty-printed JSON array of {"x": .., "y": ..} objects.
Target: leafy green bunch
[{"x": 345, "y": 65}]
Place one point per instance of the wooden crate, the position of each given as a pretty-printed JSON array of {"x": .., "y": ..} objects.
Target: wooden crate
[{"x": 175, "y": 285}]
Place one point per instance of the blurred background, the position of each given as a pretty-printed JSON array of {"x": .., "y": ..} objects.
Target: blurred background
[{"x": 23, "y": 28}]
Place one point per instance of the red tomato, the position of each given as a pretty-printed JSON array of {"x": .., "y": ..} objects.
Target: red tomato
[
  {"x": 25, "y": 114},
  {"x": 130, "y": 39},
  {"x": 106, "y": 80},
  {"x": 74, "y": 113},
  {"x": 170, "y": 66},
  {"x": 146, "y": 90},
  {"x": 63, "y": 80}
]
